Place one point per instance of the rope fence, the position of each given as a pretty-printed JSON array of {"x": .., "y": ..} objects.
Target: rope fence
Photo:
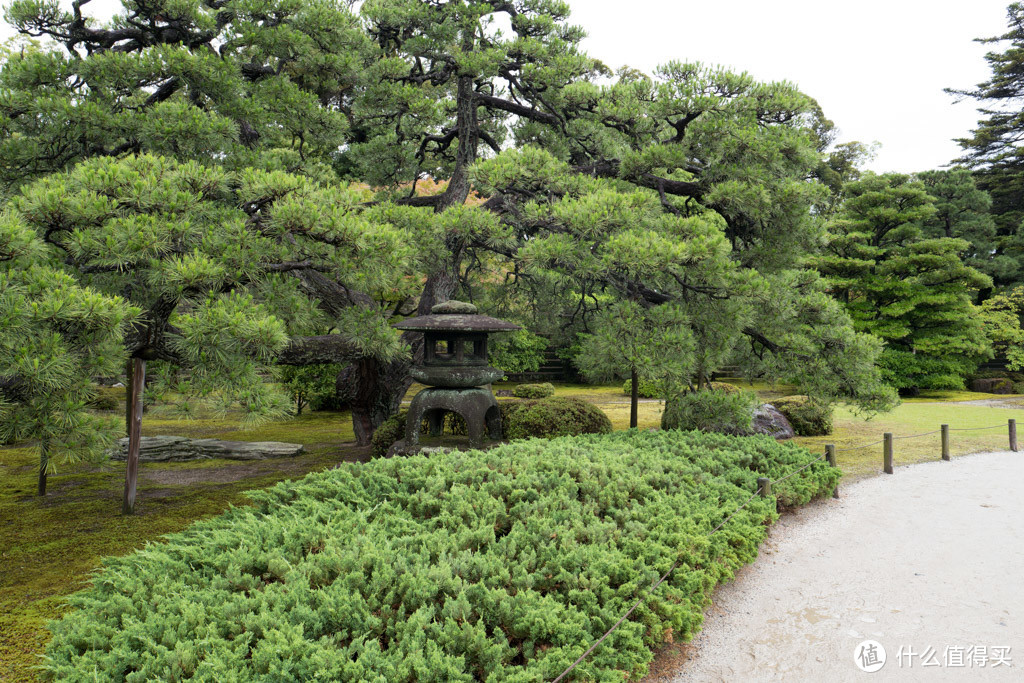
[{"x": 764, "y": 488}]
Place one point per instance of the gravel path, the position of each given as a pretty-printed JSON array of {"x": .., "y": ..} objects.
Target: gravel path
[{"x": 932, "y": 556}]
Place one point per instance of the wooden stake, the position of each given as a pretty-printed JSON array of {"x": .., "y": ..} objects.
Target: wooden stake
[
  {"x": 830, "y": 456},
  {"x": 1013, "y": 435},
  {"x": 887, "y": 452},
  {"x": 945, "y": 442},
  {"x": 131, "y": 476},
  {"x": 764, "y": 484}
]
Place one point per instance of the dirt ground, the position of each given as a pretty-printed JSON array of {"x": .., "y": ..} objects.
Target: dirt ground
[{"x": 928, "y": 561}]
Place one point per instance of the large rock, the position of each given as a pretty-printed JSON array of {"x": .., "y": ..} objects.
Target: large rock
[
  {"x": 178, "y": 448},
  {"x": 768, "y": 420},
  {"x": 993, "y": 385}
]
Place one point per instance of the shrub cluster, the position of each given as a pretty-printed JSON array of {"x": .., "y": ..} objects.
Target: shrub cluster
[
  {"x": 808, "y": 417},
  {"x": 725, "y": 412},
  {"x": 534, "y": 390},
  {"x": 497, "y": 565}
]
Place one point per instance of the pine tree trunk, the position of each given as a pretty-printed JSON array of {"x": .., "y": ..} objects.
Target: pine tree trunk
[
  {"x": 136, "y": 382},
  {"x": 634, "y": 399},
  {"x": 380, "y": 389},
  {"x": 44, "y": 462}
]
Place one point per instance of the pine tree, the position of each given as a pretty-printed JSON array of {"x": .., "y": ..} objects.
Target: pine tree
[
  {"x": 993, "y": 150},
  {"x": 55, "y": 336},
  {"x": 207, "y": 256},
  {"x": 912, "y": 291},
  {"x": 962, "y": 211}
]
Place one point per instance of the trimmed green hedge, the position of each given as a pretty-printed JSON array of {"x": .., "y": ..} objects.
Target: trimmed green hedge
[
  {"x": 552, "y": 417},
  {"x": 543, "y": 390},
  {"x": 497, "y": 565},
  {"x": 645, "y": 388}
]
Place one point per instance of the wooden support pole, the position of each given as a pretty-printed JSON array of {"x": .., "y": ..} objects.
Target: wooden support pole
[
  {"x": 830, "y": 456},
  {"x": 945, "y": 442},
  {"x": 764, "y": 485},
  {"x": 1013, "y": 435},
  {"x": 887, "y": 452},
  {"x": 131, "y": 473}
]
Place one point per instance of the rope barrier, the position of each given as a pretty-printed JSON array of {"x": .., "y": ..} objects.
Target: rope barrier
[
  {"x": 974, "y": 429},
  {"x": 857, "y": 448},
  {"x": 915, "y": 436},
  {"x": 672, "y": 568}
]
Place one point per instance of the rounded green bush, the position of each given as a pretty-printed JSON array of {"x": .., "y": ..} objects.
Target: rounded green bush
[
  {"x": 387, "y": 434},
  {"x": 646, "y": 388},
  {"x": 552, "y": 417},
  {"x": 807, "y": 416},
  {"x": 711, "y": 411},
  {"x": 724, "y": 386},
  {"x": 534, "y": 390},
  {"x": 393, "y": 429}
]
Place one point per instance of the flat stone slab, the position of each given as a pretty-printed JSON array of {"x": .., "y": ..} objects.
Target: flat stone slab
[{"x": 180, "y": 448}]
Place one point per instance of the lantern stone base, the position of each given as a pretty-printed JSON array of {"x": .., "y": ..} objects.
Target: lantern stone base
[{"x": 477, "y": 406}]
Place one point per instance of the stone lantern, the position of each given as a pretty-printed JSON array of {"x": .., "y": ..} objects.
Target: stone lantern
[{"x": 455, "y": 371}]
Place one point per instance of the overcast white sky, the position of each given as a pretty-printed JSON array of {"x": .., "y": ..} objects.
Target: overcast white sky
[{"x": 877, "y": 68}]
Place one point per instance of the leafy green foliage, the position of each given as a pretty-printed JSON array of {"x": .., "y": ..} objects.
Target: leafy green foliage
[
  {"x": 542, "y": 390},
  {"x": 1000, "y": 317},
  {"x": 807, "y": 416},
  {"x": 310, "y": 385},
  {"x": 711, "y": 411},
  {"x": 499, "y": 565},
  {"x": 519, "y": 351},
  {"x": 552, "y": 417}
]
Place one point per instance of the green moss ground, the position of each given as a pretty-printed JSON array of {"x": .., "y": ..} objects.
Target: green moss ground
[{"x": 49, "y": 546}]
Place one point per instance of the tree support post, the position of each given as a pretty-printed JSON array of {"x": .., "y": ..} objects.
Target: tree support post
[
  {"x": 1013, "y": 435},
  {"x": 945, "y": 442},
  {"x": 830, "y": 456},
  {"x": 634, "y": 398},
  {"x": 44, "y": 463},
  {"x": 137, "y": 381},
  {"x": 887, "y": 452}
]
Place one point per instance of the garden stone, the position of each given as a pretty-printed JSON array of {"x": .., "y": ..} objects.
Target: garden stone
[
  {"x": 180, "y": 448},
  {"x": 768, "y": 420}
]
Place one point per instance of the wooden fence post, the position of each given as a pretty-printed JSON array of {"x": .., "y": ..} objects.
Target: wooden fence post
[
  {"x": 1013, "y": 435},
  {"x": 830, "y": 456},
  {"x": 887, "y": 452},
  {"x": 764, "y": 484},
  {"x": 945, "y": 442}
]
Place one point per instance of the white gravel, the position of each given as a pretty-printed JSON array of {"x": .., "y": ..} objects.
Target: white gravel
[{"x": 930, "y": 557}]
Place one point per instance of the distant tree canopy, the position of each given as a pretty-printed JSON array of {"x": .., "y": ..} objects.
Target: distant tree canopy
[{"x": 907, "y": 288}]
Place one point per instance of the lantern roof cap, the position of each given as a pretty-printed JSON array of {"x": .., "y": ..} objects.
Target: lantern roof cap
[{"x": 455, "y": 316}]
